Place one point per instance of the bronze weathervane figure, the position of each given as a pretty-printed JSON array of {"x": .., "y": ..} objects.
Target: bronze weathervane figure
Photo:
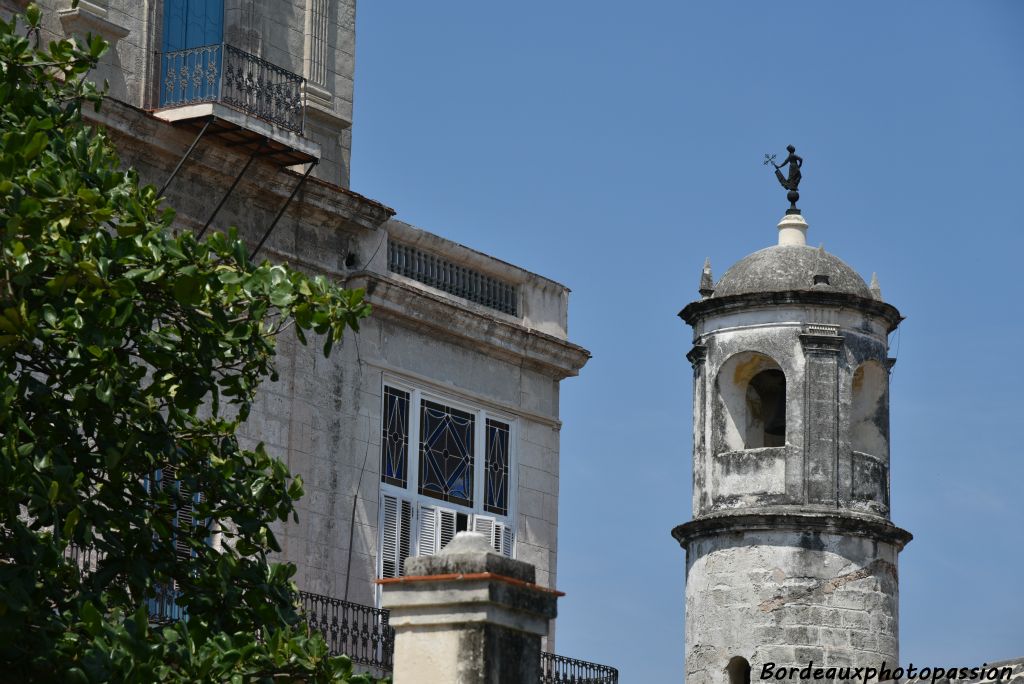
[{"x": 792, "y": 181}]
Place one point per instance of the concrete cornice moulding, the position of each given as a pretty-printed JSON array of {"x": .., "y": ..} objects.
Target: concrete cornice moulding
[
  {"x": 695, "y": 311},
  {"x": 493, "y": 336},
  {"x": 822, "y": 523}
]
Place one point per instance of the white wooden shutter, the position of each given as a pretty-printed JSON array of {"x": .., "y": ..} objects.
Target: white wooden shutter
[
  {"x": 503, "y": 540},
  {"x": 184, "y": 512},
  {"x": 389, "y": 536},
  {"x": 405, "y": 535},
  {"x": 427, "y": 545},
  {"x": 396, "y": 533},
  {"x": 437, "y": 528},
  {"x": 446, "y": 521},
  {"x": 485, "y": 526},
  {"x": 497, "y": 533}
]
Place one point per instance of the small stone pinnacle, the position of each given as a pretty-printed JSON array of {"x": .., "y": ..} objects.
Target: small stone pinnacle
[
  {"x": 707, "y": 283},
  {"x": 876, "y": 290}
]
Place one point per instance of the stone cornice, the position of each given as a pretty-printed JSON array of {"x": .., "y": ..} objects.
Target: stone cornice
[
  {"x": 494, "y": 336},
  {"x": 827, "y": 344},
  {"x": 825, "y": 522},
  {"x": 695, "y": 311}
]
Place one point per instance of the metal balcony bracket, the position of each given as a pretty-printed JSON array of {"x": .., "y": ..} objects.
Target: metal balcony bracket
[
  {"x": 188, "y": 153},
  {"x": 280, "y": 213},
  {"x": 227, "y": 194}
]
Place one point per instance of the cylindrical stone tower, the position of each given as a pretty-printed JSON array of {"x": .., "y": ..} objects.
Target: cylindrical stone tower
[{"x": 790, "y": 557}]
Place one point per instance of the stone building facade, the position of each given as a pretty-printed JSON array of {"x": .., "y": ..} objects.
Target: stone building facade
[
  {"x": 791, "y": 556},
  {"x": 442, "y": 414}
]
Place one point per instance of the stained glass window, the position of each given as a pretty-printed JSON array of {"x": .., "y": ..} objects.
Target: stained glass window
[
  {"x": 496, "y": 468},
  {"x": 394, "y": 452},
  {"x": 446, "y": 453}
]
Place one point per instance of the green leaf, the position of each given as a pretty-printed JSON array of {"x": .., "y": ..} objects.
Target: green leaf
[
  {"x": 188, "y": 289},
  {"x": 70, "y": 522},
  {"x": 104, "y": 391}
]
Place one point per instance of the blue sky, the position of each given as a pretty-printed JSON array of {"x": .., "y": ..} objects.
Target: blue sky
[{"x": 614, "y": 146}]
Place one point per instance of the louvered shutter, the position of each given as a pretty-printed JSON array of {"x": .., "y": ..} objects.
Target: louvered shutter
[
  {"x": 446, "y": 520},
  {"x": 389, "y": 536},
  {"x": 396, "y": 533},
  {"x": 405, "y": 535},
  {"x": 437, "y": 527},
  {"x": 184, "y": 511},
  {"x": 503, "y": 540},
  {"x": 428, "y": 531},
  {"x": 498, "y": 534},
  {"x": 485, "y": 526}
]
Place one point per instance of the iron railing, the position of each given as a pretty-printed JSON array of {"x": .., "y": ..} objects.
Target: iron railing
[
  {"x": 223, "y": 73},
  {"x": 360, "y": 632},
  {"x": 162, "y": 606},
  {"x": 87, "y": 559},
  {"x": 363, "y": 633},
  {"x": 556, "y": 669},
  {"x": 450, "y": 277}
]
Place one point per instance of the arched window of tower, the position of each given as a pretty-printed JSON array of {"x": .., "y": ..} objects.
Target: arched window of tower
[
  {"x": 869, "y": 414},
  {"x": 766, "y": 409},
  {"x": 750, "y": 403},
  {"x": 738, "y": 670}
]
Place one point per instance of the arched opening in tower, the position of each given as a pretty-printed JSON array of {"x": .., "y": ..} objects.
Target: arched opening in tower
[
  {"x": 766, "y": 409},
  {"x": 869, "y": 410},
  {"x": 750, "y": 403},
  {"x": 738, "y": 670}
]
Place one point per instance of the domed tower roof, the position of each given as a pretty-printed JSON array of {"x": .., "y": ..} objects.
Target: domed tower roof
[
  {"x": 789, "y": 272},
  {"x": 791, "y": 268}
]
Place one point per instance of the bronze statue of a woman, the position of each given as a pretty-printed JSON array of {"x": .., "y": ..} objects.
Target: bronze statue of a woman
[{"x": 792, "y": 181}]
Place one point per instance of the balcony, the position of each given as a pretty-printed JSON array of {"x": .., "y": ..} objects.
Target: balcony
[{"x": 254, "y": 104}]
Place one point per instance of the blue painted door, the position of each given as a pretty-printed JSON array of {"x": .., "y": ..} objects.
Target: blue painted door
[{"x": 190, "y": 68}]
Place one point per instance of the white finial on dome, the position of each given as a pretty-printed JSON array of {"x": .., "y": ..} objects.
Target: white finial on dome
[{"x": 792, "y": 230}]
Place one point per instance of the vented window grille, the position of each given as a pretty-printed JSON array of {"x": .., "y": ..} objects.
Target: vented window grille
[
  {"x": 453, "y": 476},
  {"x": 452, "y": 278}
]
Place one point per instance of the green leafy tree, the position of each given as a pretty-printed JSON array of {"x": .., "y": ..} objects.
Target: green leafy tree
[{"x": 128, "y": 359}]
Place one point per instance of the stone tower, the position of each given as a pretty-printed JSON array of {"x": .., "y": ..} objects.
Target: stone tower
[{"x": 790, "y": 556}]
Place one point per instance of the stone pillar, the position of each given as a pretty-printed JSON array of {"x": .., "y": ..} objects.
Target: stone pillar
[
  {"x": 821, "y": 344},
  {"x": 468, "y": 616}
]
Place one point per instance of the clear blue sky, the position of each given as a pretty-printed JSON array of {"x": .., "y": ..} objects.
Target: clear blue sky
[{"x": 612, "y": 146}]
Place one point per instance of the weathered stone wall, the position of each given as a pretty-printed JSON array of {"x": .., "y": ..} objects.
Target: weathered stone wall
[{"x": 789, "y": 597}]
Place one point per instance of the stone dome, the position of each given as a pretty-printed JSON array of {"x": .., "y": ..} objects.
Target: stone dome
[{"x": 785, "y": 268}]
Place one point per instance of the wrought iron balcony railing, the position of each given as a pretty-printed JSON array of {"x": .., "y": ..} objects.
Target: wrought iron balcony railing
[
  {"x": 360, "y": 632},
  {"x": 556, "y": 669},
  {"x": 223, "y": 73}
]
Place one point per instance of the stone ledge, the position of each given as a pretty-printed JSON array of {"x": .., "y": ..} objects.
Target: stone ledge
[
  {"x": 453, "y": 320},
  {"x": 831, "y": 523},
  {"x": 469, "y": 577},
  {"x": 695, "y": 311}
]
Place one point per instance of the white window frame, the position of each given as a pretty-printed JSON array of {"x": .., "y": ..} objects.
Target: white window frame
[{"x": 411, "y": 494}]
